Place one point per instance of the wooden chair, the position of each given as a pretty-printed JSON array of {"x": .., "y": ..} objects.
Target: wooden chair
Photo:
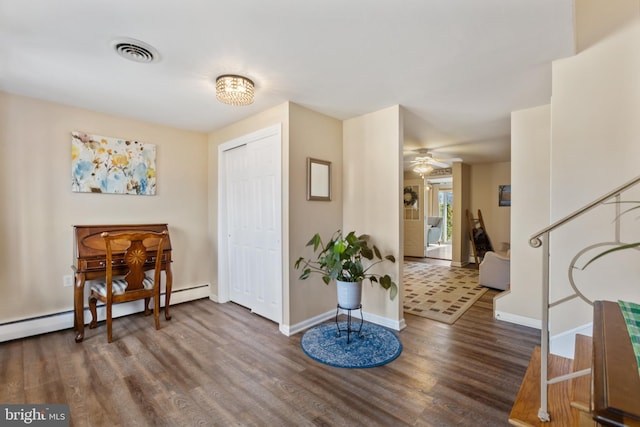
[{"x": 135, "y": 284}]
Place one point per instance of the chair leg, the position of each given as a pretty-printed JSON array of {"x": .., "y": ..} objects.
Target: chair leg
[
  {"x": 94, "y": 316},
  {"x": 146, "y": 307},
  {"x": 156, "y": 308},
  {"x": 109, "y": 318}
]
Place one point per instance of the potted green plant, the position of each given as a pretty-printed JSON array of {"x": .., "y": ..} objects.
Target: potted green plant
[{"x": 341, "y": 259}]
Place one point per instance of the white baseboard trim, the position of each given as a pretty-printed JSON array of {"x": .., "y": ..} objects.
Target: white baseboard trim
[
  {"x": 518, "y": 320},
  {"x": 64, "y": 320},
  {"x": 396, "y": 325},
  {"x": 459, "y": 264},
  {"x": 290, "y": 330},
  {"x": 189, "y": 294},
  {"x": 563, "y": 344}
]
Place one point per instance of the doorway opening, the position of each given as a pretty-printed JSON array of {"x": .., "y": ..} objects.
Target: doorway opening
[{"x": 440, "y": 207}]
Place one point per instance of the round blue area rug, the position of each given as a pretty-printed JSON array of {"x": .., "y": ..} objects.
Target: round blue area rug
[{"x": 375, "y": 347}]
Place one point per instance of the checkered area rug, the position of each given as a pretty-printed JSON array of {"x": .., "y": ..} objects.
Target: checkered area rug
[{"x": 438, "y": 292}]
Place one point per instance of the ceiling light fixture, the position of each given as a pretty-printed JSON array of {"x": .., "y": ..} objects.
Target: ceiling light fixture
[
  {"x": 423, "y": 169},
  {"x": 234, "y": 90}
]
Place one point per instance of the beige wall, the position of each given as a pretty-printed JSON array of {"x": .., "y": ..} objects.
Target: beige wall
[
  {"x": 461, "y": 247},
  {"x": 594, "y": 128},
  {"x": 485, "y": 179},
  {"x": 592, "y": 149},
  {"x": 597, "y": 19},
  {"x": 372, "y": 197},
  {"x": 320, "y": 137},
  {"x": 530, "y": 175},
  {"x": 38, "y": 208}
]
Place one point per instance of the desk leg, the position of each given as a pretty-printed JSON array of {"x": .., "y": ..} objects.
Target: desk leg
[
  {"x": 78, "y": 307},
  {"x": 167, "y": 297}
]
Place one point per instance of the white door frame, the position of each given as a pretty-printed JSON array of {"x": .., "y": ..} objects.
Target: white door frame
[{"x": 223, "y": 259}]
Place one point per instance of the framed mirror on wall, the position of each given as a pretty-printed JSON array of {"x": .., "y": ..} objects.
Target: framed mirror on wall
[{"x": 318, "y": 179}]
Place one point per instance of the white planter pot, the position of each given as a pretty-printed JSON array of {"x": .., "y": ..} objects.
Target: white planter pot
[{"x": 349, "y": 294}]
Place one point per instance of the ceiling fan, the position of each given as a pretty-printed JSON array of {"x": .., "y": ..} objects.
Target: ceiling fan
[{"x": 424, "y": 161}]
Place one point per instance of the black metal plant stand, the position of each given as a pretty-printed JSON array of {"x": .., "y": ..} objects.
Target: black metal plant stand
[{"x": 349, "y": 329}]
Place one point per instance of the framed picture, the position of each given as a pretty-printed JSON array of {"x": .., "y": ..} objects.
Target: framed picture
[
  {"x": 318, "y": 180},
  {"x": 504, "y": 195},
  {"x": 101, "y": 164}
]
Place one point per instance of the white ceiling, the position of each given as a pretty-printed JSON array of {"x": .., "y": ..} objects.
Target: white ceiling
[{"x": 459, "y": 67}]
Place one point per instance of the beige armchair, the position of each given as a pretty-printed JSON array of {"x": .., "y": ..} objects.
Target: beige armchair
[{"x": 495, "y": 270}]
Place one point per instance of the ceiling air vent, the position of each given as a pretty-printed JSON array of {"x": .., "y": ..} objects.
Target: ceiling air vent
[{"x": 135, "y": 50}]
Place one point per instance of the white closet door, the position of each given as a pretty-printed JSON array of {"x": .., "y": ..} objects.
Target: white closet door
[
  {"x": 238, "y": 208},
  {"x": 253, "y": 176}
]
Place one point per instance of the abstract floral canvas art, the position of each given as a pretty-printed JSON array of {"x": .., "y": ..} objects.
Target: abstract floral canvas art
[{"x": 101, "y": 164}]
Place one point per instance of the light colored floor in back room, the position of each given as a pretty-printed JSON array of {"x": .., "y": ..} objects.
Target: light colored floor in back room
[{"x": 439, "y": 251}]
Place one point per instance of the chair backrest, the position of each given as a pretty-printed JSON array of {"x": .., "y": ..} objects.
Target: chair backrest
[
  {"x": 434, "y": 221},
  {"x": 135, "y": 248}
]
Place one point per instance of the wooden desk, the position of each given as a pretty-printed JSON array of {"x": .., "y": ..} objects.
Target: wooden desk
[
  {"x": 90, "y": 257},
  {"x": 615, "y": 380}
]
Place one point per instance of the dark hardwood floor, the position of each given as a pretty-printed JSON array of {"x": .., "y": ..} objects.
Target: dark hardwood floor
[{"x": 217, "y": 364}]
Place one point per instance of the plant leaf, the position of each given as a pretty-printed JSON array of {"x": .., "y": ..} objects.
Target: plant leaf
[
  {"x": 386, "y": 281},
  {"x": 619, "y": 248},
  {"x": 393, "y": 292},
  {"x": 377, "y": 252},
  {"x": 366, "y": 252},
  {"x": 339, "y": 247},
  {"x": 317, "y": 241},
  {"x": 351, "y": 238}
]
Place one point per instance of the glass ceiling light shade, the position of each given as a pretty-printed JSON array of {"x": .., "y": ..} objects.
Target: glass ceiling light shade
[
  {"x": 422, "y": 169},
  {"x": 234, "y": 90}
]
